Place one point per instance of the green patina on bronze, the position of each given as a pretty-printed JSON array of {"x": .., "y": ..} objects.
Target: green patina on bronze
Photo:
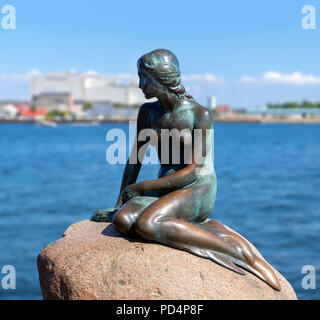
[{"x": 174, "y": 208}]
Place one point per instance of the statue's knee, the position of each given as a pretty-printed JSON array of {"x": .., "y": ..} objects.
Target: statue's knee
[
  {"x": 146, "y": 228},
  {"x": 121, "y": 222}
]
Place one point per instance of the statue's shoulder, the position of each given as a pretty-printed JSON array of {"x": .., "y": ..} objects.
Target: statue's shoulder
[
  {"x": 203, "y": 115},
  {"x": 146, "y": 112},
  {"x": 148, "y": 107}
]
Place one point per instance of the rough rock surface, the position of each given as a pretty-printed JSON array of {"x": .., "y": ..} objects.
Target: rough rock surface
[{"x": 93, "y": 261}]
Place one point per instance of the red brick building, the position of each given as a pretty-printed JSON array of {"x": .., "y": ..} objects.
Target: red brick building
[
  {"x": 223, "y": 110},
  {"x": 29, "y": 112}
]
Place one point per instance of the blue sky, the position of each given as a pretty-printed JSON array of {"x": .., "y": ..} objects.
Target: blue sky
[{"x": 246, "y": 53}]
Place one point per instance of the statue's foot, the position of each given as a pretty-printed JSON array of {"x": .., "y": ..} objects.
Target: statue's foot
[{"x": 105, "y": 215}]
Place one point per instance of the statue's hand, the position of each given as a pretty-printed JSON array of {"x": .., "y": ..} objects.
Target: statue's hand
[
  {"x": 131, "y": 191},
  {"x": 105, "y": 215}
]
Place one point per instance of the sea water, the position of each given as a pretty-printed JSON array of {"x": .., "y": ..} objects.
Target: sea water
[{"x": 268, "y": 191}]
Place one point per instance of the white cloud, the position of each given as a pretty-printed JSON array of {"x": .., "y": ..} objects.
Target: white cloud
[
  {"x": 202, "y": 78},
  {"x": 248, "y": 79},
  {"x": 16, "y": 86},
  {"x": 274, "y": 77},
  {"x": 24, "y": 77}
]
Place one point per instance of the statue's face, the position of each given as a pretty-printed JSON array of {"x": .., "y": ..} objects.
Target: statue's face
[{"x": 149, "y": 86}]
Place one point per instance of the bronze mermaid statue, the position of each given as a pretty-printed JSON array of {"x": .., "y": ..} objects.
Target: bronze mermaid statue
[{"x": 173, "y": 210}]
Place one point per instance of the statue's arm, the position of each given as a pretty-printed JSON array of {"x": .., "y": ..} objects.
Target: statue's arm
[
  {"x": 172, "y": 182},
  {"x": 132, "y": 168},
  {"x": 182, "y": 177}
]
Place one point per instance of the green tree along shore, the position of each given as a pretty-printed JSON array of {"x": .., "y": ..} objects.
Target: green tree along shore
[
  {"x": 295, "y": 105},
  {"x": 87, "y": 106}
]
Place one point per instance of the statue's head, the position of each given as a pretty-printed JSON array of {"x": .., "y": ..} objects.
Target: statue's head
[{"x": 159, "y": 70}]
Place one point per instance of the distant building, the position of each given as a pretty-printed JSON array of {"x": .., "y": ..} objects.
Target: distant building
[
  {"x": 212, "y": 103},
  {"x": 102, "y": 111},
  {"x": 99, "y": 111},
  {"x": 240, "y": 111},
  {"x": 55, "y": 90},
  {"x": 30, "y": 112},
  {"x": 286, "y": 112},
  {"x": 223, "y": 110},
  {"x": 4, "y": 103},
  {"x": 61, "y": 101},
  {"x": 8, "y": 111}
]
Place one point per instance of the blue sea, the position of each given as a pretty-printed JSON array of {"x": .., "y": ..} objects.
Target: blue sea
[{"x": 268, "y": 190}]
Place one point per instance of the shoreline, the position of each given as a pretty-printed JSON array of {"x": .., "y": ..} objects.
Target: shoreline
[
  {"x": 268, "y": 120},
  {"x": 216, "y": 120},
  {"x": 16, "y": 121}
]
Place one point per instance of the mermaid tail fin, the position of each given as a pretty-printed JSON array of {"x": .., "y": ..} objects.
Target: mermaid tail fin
[
  {"x": 263, "y": 271},
  {"x": 217, "y": 257},
  {"x": 249, "y": 261}
]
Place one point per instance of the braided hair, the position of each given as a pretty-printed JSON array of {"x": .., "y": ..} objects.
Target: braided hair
[{"x": 163, "y": 65}]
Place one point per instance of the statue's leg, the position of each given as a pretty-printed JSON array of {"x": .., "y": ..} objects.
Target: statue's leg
[
  {"x": 127, "y": 215},
  {"x": 124, "y": 219},
  {"x": 170, "y": 221}
]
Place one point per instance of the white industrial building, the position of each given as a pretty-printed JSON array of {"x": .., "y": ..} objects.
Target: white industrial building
[{"x": 89, "y": 87}]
